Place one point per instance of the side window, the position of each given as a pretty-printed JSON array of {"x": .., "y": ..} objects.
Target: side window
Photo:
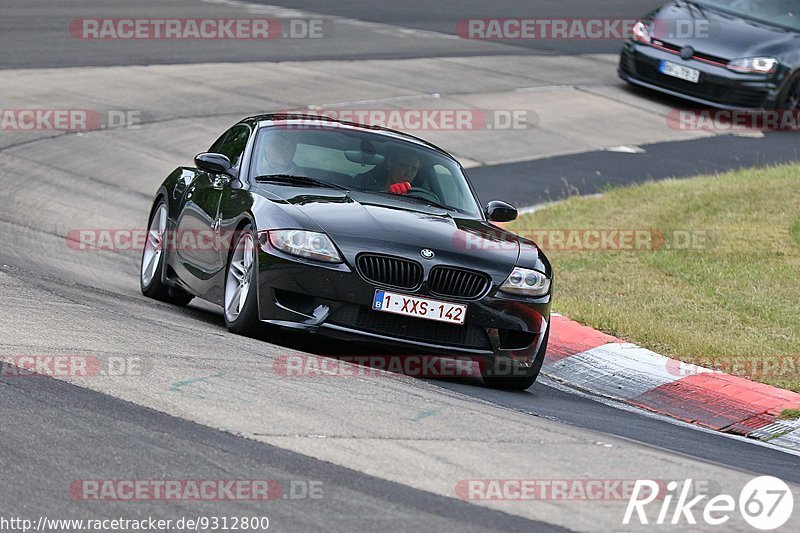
[
  {"x": 447, "y": 184},
  {"x": 233, "y": 143},
  {"x": 216, "y": 146}
]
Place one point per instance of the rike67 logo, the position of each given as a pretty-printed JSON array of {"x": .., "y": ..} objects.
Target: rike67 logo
[{"x": 765, "y": 503}]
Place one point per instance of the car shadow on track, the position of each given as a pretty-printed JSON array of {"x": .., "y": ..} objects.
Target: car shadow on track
[{"x": 374, "y": 356}]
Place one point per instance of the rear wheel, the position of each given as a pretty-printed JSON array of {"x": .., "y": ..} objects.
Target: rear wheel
[
  {"x": 153, "y": 257},
  {"x": 241, "y": 300},
  {"x": 502, "y": 375}
]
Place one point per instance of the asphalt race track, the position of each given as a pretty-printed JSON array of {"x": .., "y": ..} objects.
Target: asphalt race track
[
  {"x": 552, "y": 178},
  {"x": 388, "y": 451},
  {"x": 374, "y": 30},
  {"x": 98, "y": 426}
]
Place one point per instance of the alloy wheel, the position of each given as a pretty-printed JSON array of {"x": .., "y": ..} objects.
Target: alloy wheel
[
  {"x": 154, "y": 246},
  {"x": 237, "y": 283}
]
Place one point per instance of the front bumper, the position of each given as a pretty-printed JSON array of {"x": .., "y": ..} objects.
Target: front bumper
[
  {"x": 718, "y": 87},
  {"x": 335, "y": 301}
]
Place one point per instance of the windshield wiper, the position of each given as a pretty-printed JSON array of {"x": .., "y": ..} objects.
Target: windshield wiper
[
  {"x": 417, "y": 198},
  {"x": 430, "y": 202},
  {"x": 305, "y": 180},
  {"x": 695, "y": 5}
]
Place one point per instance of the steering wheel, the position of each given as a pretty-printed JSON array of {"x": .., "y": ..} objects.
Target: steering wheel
[{"x": 424, "y": 193}]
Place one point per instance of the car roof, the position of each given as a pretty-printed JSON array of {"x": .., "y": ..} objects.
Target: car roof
[{"x": 268, "y": 119}]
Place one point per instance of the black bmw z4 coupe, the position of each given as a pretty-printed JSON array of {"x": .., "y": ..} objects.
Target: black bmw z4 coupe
[
  {"x": 350, "y": 231},
  {"x": 730, "y": 54}
]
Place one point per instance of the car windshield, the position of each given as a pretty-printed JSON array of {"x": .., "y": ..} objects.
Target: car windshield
[
  {"x": 784, "y": 13},
  {"x": 363, "y": 161}
]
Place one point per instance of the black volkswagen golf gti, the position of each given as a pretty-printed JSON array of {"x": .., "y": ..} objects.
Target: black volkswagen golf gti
[
  {"x": 732, "y": 54},
  {"x": 355, "y": 232}
]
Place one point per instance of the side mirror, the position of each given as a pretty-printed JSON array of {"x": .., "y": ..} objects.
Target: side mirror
[
  {"x": 213, "y": 163},
  {"x": 497, "y": 211}
]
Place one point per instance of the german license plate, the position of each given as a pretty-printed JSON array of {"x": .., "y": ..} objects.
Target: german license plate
[
  {"x": 403, "y": 304},
  {"x": 679, "y": 71}
]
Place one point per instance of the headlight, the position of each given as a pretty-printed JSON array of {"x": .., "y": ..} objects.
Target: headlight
[
  {"x": 641, "y": 32},
  {"x": 760, "y": 65},
  {"x": 310, "y": 244},
  {"x": 526, "y": 282}
]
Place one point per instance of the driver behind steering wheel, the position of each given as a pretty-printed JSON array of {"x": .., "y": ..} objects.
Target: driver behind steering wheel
[{"x": 402, "y": 169}]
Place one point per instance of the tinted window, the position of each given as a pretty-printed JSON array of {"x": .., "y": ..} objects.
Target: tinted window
[
  {"x": 232, "y": 144},
  {"x": 363, "y": 161},
  {"x": 218, "y": 143}
]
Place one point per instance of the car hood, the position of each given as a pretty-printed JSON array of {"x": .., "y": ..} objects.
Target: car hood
[
  {"x": 727, "y": 37},
  {"x": 364, "y": 222}
]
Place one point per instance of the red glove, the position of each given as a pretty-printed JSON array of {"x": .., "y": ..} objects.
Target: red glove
[{"x": 399, "y": 188}]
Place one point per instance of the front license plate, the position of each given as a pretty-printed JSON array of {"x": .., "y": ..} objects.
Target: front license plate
[
  {"x": 403, "y": 304},
  {"x": 679, "y": 71}
]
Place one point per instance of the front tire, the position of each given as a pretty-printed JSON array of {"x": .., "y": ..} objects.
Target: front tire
[
  {"x": 241, "y": 293},
  {"x": 495, "y": 375},
  {"x": 790, "y": 99},
  {"x": 151, "y": 272}
]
